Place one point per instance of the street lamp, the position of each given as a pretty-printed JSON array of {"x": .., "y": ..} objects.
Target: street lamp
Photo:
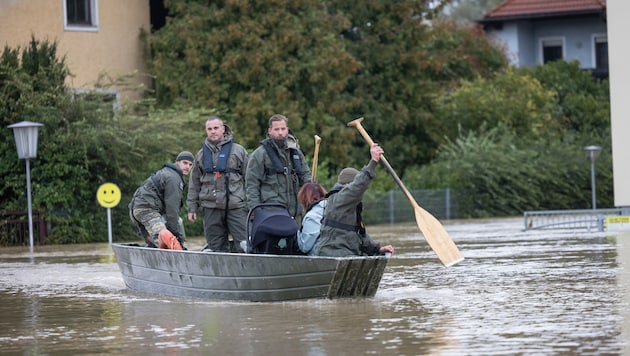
[
  {"x": 25, "y": 134},
  {"x": 593, "y": 152}
]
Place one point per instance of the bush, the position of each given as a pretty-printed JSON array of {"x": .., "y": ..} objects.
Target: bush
[{"x": 508, "y": 175}]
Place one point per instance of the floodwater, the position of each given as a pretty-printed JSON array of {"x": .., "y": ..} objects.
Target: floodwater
[{"x": 517, "y": 292}]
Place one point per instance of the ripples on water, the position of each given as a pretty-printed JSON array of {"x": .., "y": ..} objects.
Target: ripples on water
[{"x": 534, "y": 292}]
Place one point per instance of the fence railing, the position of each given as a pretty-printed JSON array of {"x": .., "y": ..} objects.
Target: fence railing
[
  {"x": 390, "y": 207},
  {"x": 14, "y": 229},
  {"x": 589, "y": 219}
]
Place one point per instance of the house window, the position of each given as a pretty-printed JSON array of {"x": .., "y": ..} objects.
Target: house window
[
  {"x": 80, "y": 15},
  {"x": 600, "y": 47},
  {"x": 552, "y": 49},
  {"x": 106, "y": 99}
]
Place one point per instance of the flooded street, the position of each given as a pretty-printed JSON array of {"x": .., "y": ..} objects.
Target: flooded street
[{"x": 517, "y": 292}]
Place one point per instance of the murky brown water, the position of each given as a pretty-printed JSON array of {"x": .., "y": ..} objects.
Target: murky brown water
[{"x": 528, "y": 293}]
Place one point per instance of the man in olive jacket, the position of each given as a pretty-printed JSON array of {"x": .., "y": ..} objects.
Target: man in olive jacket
[
  {"x": 277, "y": 169},
  {"x": 342, "y": 231},
  {"x": 216, "y": 188},
  {"x": 154, "y": 208}
]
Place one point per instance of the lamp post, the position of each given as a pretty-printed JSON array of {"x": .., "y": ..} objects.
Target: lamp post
[
  {"x": 593, "y": 152},
  {"x": 25, "y": 134}
]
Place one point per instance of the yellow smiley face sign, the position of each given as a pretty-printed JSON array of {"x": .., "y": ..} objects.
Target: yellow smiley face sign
[{"x": 108, "y": 195}]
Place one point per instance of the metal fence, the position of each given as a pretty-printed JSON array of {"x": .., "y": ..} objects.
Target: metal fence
[
  {"x": 14, "y": 228},
  {"x": 390, "y": 207},
  {"x": 589, "y": 219}
]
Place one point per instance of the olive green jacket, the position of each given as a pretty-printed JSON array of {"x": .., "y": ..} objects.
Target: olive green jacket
[
  {"x": 165, "y": 199},
  {"x": 265, "y": 186},
  {"x": 208, "y": 190},
  {"x": 341, "y": 210}
]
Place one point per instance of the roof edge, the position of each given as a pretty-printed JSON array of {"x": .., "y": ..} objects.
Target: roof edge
[{"x": 548, "y": 15}]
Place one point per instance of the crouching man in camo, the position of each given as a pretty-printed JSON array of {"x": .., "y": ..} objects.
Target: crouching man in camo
[{"x": 154, "y": 208}]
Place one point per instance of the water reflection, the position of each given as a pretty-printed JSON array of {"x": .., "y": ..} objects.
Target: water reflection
[{"x": 541, "y": 292}]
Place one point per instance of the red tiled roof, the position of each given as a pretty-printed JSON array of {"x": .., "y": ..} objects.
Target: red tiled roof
[{"x": 538, "y": 8}]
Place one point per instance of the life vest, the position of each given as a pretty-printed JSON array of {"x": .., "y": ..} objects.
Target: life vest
[
  {"x": 279, "y": 168},
  {"x": 221, "y": 166}
]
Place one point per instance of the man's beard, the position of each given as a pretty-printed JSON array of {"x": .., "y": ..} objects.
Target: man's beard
[{"x": 281, "y": 142}]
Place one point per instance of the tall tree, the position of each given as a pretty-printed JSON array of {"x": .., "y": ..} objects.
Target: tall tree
[
  {"x": 320, "y": 63},
  {"x": 408, "y": 61},
  {"x": 251, "y": 59}
]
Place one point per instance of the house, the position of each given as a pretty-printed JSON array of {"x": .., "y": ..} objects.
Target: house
[
  {"x": 99, "y": 38},
  {"x": 538, "y": 31}
]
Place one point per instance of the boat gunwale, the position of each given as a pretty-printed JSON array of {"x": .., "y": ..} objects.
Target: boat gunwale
[{"x": 249, "y": 255}]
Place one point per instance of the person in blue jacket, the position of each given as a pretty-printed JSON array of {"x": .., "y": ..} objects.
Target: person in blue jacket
[{"x": 312, "y": 197}]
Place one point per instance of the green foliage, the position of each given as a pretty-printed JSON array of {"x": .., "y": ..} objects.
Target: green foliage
[
  {"x": 251, "y": 60},
  {"x": 321, "y": 64},
  {"x": 517, "y": 140},
  {"x": 82, "y": 145},
  {"x": 71, "y": 155},
  {"x": 406, "y": 64},
  {"x": 510, "y": 99},
  {"x": 582, "y": 100},
  {"x": 509, "y": 174}
]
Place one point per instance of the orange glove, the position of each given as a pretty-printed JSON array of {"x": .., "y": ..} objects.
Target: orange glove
[{"x": 167, "y": 240}]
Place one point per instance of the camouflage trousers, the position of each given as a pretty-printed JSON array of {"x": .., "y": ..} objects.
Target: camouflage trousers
[{"x": 148, "y": 223}]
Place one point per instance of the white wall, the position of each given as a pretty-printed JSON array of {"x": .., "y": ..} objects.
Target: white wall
[{"x": 619, "y": 57}]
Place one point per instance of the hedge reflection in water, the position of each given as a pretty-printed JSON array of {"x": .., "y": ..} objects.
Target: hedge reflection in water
[{"x": 535, "y": 292}]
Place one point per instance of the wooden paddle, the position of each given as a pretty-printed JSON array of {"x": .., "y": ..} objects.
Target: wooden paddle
[
  {"x": 315, "y": 157},
  {"x": 431, "y": 228}
]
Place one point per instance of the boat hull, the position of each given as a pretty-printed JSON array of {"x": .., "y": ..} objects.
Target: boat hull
[{"x": 247, "y": 277}]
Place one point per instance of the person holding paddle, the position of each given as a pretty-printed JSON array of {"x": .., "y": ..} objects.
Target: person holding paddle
[{"x": 342, "y": 230}]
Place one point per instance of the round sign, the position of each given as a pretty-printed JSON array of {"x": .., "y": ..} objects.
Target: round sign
[{"x": 108, "y": 195}]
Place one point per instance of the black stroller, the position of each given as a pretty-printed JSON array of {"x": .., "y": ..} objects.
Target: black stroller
[{"x": 272, "y": 230}]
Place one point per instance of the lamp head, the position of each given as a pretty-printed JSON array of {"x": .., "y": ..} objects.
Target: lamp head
[
  {"x": 593, "y": 152},
  {"x": 25, "y": 134}
]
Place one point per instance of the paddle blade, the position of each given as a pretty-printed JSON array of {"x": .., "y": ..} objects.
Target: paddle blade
[{"x": 437, "y": 237}]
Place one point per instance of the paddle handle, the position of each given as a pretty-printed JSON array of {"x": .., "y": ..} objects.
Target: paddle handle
[
  {"x": 357, "y": 124},
  {"x": 315, "y": 158}
]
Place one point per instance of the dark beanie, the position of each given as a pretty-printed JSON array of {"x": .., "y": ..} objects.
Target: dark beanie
[
  {"x": 185, "y": 155},
  {"x": 347, "y": 175}
]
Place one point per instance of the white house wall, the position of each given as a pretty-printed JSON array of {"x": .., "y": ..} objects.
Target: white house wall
[
  {"x": 507, "y": 38},
  {"x": 527, "y": 45},
  {"x": 618, "y": 58},
  {"x": 113, "y": 48},
  {"x": 578, "y": 38},
  {"x": 521, "y": 39}
]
